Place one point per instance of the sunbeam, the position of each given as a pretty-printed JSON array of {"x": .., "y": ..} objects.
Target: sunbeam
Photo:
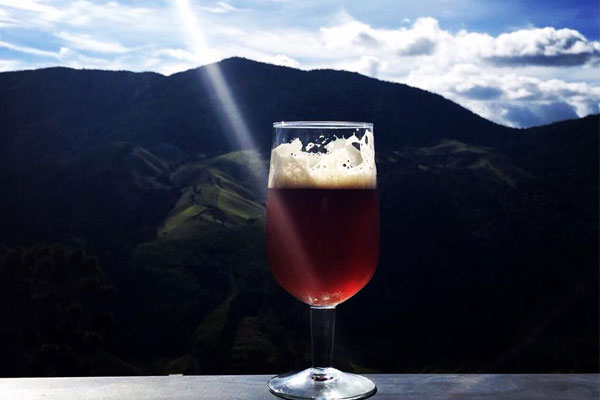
[
  {"x": 194, "y": 36},
  {"x": 197, "y": 43},
  {"x": 239, "y": 131}
]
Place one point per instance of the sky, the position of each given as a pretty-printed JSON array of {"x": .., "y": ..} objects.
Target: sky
[{"x": 518, "y": 63}]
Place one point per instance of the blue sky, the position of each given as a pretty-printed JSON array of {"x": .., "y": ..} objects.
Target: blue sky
[{"x": 519, "y": 63}]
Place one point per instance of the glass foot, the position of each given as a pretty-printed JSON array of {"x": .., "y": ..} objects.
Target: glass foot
[{"x": 322, "y": 384}]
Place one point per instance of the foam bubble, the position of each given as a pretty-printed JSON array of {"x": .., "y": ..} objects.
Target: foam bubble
[{"x": 346, "y": 163}]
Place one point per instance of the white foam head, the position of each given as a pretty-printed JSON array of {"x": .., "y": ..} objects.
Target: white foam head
[{"x": 345, "y": 163}]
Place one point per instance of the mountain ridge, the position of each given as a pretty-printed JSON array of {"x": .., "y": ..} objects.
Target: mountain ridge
[
  {"x": 244, "y": 59},
  {"x": 237, "y": 59},
  {"x": 158, "y": 103}
]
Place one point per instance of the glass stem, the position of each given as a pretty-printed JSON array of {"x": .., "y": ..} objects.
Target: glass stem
[{"x": 322, "y": 326}]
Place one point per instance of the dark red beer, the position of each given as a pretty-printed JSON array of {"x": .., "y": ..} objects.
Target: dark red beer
[{"x": 322, "y": 244}]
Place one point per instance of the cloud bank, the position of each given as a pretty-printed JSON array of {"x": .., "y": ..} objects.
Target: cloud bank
[{"x": 519, "y": 78}]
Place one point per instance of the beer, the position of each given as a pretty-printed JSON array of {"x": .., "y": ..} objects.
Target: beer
[
  {"x": 322, "y": 244},
  {"x": 323, "y": 218}
]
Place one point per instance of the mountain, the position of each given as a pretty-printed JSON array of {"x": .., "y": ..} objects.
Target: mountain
[
  {"x": 489, "y": 234},
  {"x": 64, "y": 112}
]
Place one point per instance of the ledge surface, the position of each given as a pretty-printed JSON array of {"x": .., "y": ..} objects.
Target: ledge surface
[{"x": 242, "y": 387}]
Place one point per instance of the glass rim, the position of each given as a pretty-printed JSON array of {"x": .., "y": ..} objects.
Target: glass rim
[{"x": 322, "y": 125}]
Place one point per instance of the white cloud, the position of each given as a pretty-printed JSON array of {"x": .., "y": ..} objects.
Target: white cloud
[
  {"x": 547, "y": 46},
  {"x": 29, "y": 50},
  {"x": 88, "y": 43},
  {"x": 106, "y": 17},
  {"x": 6, "y": 21},
  {"x": 499, "y": 96},
  {"x": 11, "y": 65},
  {"x": 30, "y": 5},
  {"x": 282, "y": 60},
  {"x": 356, "y": 37},
  {"x": 178, "y": 54},
  {"x": 220, "y": 7}
]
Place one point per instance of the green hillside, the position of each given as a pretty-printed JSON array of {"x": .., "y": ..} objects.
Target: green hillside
[{"x": 217, "y": 191}]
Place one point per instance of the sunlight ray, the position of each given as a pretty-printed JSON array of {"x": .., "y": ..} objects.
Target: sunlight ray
[{"x": 196, "y": 40}]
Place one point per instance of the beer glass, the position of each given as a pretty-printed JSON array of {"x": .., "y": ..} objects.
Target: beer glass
[{"x": 322, "y": 238}]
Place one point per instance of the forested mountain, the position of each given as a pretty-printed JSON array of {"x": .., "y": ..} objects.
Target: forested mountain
[{"x": 133, "y": 228}]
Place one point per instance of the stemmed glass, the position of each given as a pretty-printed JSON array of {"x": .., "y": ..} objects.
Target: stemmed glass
[{"x": 322, "y": 238}]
